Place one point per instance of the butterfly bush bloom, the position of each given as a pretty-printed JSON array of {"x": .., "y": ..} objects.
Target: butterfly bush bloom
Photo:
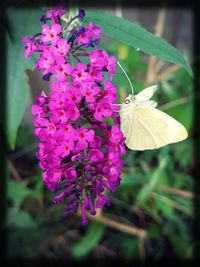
[{"x": 80, "y": 143}]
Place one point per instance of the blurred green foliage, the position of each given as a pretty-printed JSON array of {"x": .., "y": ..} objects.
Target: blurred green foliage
[
  {"x": 35, "y": 225},
  {"x": 89, "y": 240},
  {"x": 139, "y": 201}
]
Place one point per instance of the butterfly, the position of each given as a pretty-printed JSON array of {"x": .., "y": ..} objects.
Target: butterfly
[{"x": 146, "y": 127}]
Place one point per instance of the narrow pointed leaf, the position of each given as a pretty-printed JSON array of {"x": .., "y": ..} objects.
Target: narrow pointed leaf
[
  {"x": 134, "y": 35},
  {"x": 21, "y": 23},
  {"x": 89, "y": 241}
]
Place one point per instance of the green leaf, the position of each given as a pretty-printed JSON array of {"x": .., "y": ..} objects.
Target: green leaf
[
  {"x": 22, "y": 22},
  {"x": 187, "y": 203},
  {"x": 182, "y": 180},
  {"x": 89, "y": 241},
  {"x": 137, "y": 37},
  {"x": 17, "y": 192},
  {"x": 165, "y": 207},
  {"x": 20, "y": 218},
  {"x": 179, "y": 235},
  {"x": 174, "y": 204},
  {"x": 133, "y": 179},
  {"x": 154, "y": 179},
  {"x": 129, "y": 247}
]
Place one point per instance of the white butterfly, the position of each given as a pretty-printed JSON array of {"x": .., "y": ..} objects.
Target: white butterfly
[{"x": 145, "y": 126}]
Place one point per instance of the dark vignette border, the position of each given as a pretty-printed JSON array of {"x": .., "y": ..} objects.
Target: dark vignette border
[{"x": 3, "y": 145}]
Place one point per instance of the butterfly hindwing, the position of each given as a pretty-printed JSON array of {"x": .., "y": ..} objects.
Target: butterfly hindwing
[{"x": 150, "y": 128}]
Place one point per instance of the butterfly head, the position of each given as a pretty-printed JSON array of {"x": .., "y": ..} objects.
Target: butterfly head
[{"x": 129, "y": 99}]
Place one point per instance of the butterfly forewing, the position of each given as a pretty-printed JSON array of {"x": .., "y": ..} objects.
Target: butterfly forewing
[{"x": 146, "y": 93}]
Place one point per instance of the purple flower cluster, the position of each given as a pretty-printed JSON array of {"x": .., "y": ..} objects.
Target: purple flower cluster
[{"x": 77, "y": 124}]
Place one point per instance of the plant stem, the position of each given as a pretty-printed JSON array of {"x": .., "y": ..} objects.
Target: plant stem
[{"x": 132, "y": 230}]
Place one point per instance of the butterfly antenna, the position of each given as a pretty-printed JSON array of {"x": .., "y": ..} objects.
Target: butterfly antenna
[{"x": 126, "y": 77}]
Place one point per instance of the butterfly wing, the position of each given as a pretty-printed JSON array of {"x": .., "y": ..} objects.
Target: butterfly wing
[
  {"x": 146, "y": 94},
  {"x": 150, "y": 128}
]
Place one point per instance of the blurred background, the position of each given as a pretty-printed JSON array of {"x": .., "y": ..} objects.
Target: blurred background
[{"x": 152, "y": 213}]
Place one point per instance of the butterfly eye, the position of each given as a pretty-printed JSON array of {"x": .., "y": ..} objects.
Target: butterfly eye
[{"x": 127, "y": 101}]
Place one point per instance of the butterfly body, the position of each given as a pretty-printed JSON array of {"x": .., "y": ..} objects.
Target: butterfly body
[{"x": 145, "y": 126}]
